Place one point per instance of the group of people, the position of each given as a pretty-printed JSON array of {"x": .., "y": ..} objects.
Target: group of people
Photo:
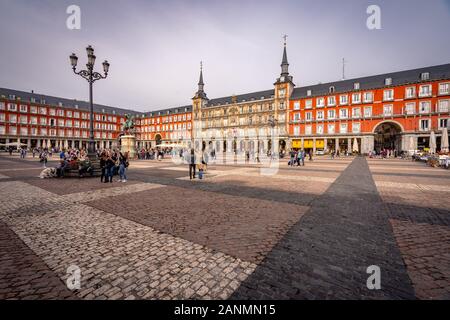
[
  {"x": 297, "y": 157},
  {"x": 153, "y": 153},
  {"x": 113, "y": 162}
]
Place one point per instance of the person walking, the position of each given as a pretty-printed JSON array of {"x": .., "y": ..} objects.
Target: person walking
[
  {"x": 44, "y": 158},
  {"x": 292, "y": 161},
  {"x": 192, "y": 163},
  {"x": 123, "y": 164}
]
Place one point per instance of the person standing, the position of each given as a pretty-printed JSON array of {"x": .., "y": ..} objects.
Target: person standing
[
  {"x": 110, "y": 164},
  {"x": 192, "y": 163},
  {"x": 123, "y": 164},
  {"x": 292, "y": 154}
]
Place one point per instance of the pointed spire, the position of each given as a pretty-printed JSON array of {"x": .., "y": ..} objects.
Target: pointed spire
[
  {"x": 284, "y": 61},
  {"x": 200, "y": 81},
  {"x": 200, "y": 93}
]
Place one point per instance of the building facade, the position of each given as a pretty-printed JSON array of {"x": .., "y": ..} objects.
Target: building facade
[{"x": 397, "y": 111}]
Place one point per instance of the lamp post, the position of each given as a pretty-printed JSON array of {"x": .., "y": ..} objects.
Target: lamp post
[
  {"x": 272, "y": 122},
  {"x": 91, "y": 76}
]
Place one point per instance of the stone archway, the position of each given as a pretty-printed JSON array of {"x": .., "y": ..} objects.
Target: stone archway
[
  {"x": 158, "y": 139},
  {"x": 387, "y": 136}
]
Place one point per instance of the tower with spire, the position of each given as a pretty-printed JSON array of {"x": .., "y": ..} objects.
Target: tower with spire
[
  {"x": 284, "y": 86},
  {"x": 199, "y": 101}
]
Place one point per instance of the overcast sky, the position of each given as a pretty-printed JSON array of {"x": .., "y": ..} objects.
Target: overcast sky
[{"x": 154, "y": 47}]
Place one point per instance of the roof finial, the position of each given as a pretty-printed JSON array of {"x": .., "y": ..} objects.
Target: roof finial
[
  {"x": 201, "y": 65},
  {"x": 285, "y": 37}
]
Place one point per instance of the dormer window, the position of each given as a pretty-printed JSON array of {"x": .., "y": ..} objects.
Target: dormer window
[
  {"x": 331, "y": 89},
  {"x": 356, "y": 86},
  {"x": 33, "y": 99},
  {"x": 308, "y": 93},
  {"x": 42, "y": 101},
  {"x": 388, "y": 81},
  {"x": 60, "y": 104},
  {"x": 12, "y": 97},
  {"x": 424, "y": 76}
]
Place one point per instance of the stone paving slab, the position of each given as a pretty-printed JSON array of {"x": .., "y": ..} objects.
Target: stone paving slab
[
  {"x": 425, "y": 250},
  {"x": 326, "y": 254},
  {"x": 23, "y": 274},
  {"x": 247, "y": 228}
]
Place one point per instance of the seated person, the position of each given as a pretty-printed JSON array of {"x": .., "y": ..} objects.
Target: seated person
[
  {"x": 85, "y": 166},
  {"x": 63, "y": 165}
]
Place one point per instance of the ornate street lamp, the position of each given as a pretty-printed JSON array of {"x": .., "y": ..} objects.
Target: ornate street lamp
[{"x": 91, "y": 76}]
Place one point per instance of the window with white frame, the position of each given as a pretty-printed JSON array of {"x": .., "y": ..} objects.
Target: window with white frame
[
  {"x": 296, "y": 130},
  {"x": 2, "y": 117},
  {"x": 2, "y": 129},
  {"x": 308, "y": 93},
  {"x": 297, "y": 105},
  {"x": 12, "y": 107},
  {"x": 387, "y": 110},
  {"x": 331, "y": 101},
  {"x": 410, "y": 92},
  {"x": 410, "y": 108},
  {"x": 356, "y": 112},
  {"x": 368, "y": 97},
  {"x": 424, "y": 124},
  {"x": 319, "y": 129},
  {"x": 60, "y": 113},
  {"x": 43, "y": 131},
  {"x": 69, "y": 123},
  {"x": 356, "y": 127},
  {"x": 24, "y": 131},
  {"x": 12, "y": 130},
  {"x": 60, "y": 122},
  {"x": 308, "y": 116},
  {"x": 34, "y": 131},
  {"x": 331, "y": 114},
  {"x": 320, "y": 102},
  {"x": 297, "y": 116},
  {"x": 343, "y": 113},
  {"x": 444, "y": 88},
  {"x": 343, "y": 128},
  {"x": 424, "y": 107},
  {"x": 12, "y": 118},
  {"x": 2, "y": 106},
  {"x": 425, "y": 90},
  {"x": 356, "y": 86},
  {"x": 343, "y": 99},
  {"x": 76, "y": 114},
  {"x": 331, "y": 128},
  {"x": 320, "y": 115},
  {"x": 356, "y": 98},
  {"x": 444, "y": 123},
  {"x": 23, "y": 108},
  {"x": 23, "y": 119},
  {"x": 388, "y": 95},
  {"x": 308, "y": 104},
  {"x": 388, "y": 81},
  {"x": 367, "y": 112},
  {"x": 424, "y": 76},
  {"x": 43, "y": 121},
  {"x": 444, "y": 106},
  {"x": 308, "y": 129}
]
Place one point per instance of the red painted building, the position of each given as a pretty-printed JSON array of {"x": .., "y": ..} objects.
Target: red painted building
[{"x": 396, "y": 111}]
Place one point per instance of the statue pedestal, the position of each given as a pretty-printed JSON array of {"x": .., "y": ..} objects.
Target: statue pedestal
[{"x": 128, "y": 144}]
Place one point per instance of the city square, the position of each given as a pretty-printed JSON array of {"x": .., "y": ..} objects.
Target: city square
[{"x": 303, "y": 233}]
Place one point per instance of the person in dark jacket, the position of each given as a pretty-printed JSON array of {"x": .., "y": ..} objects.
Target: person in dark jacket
[
  {"x": 192, "y": 164},
  {"x": 110, "y": 164},
  {"x": 103, "y": 166}
]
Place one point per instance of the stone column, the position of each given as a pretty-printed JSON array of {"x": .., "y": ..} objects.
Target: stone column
[
  {"x": 336, "y": 144},
  {"x": 302, "y": 141},
  {"x": 325, "y": 145},
  {"x": 314, "y": 145},
  {"x": 28, "y": 143},
  {"x": 349, "y": 145}
]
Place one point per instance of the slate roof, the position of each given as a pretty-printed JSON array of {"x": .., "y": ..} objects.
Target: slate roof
[
  {"x": 373, "y": 82},
  {"x": 267, "y": 94},
  {"x": 82, "y": 105}
]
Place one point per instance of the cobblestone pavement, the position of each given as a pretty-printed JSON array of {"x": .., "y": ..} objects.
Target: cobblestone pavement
[{"x": 303, "y": 233}]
